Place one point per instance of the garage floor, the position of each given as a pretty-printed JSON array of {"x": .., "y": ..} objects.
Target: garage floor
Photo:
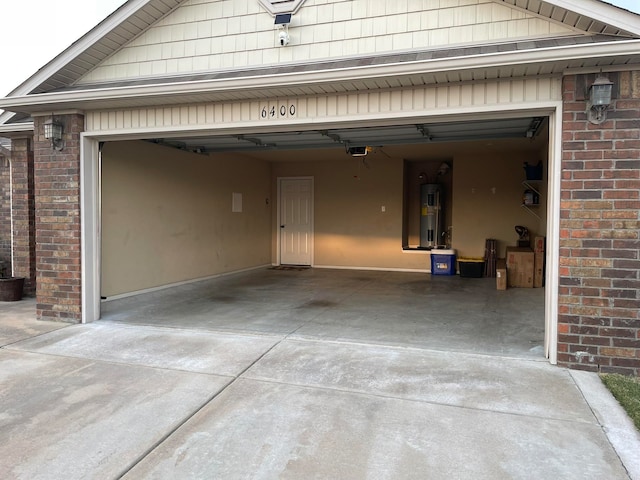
[{"x": 388, "y": 308}]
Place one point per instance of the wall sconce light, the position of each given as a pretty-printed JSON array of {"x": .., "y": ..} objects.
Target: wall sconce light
[
  {"x": 599, "y": 100},
  {"x": 53, "y": 132}
]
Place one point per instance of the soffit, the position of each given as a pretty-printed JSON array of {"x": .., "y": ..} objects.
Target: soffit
[{"x": 582, "y": 15}]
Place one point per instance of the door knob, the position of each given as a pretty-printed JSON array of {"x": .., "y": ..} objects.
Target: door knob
[{"x": 281, "y": 226}]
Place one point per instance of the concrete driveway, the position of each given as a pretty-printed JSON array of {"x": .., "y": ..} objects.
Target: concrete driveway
[{"x": 112, "y": 400}]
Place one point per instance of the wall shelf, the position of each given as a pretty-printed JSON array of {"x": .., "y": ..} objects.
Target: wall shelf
[
  {"x": 529, "y": 207},
  {"x": 532, "y": 185}
]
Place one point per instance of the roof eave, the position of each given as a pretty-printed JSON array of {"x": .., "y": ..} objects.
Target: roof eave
[
  {"x": 16, "y": 130},
  {"x": 154, "y": 94},
  {"x": 79, "y": 46},
  {"x": 604, "y": 12},
  {"x": 596, "y": 9}
]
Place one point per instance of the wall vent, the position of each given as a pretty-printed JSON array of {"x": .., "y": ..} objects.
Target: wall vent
[{"x": 275, "y": 7}]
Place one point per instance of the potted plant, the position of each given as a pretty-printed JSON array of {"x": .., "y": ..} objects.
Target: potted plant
[{"x": 10, "y": 287}]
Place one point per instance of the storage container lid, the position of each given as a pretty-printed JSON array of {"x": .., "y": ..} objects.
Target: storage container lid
[{"x": 443, "y": 251}]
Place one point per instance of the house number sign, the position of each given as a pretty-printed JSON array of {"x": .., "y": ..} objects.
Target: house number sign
[{"x": 278, "y": 110}]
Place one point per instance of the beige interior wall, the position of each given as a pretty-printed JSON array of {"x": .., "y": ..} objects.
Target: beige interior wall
[
  {"x": 167, "y": 213},
  {"x": 479, "y": 213},
  {"x": 166, "y": 216},
  {"x": 350, "y": 228}
]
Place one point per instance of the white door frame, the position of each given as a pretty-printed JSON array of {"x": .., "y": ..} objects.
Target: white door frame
[
  {"x": 552, "y": 251},
  {"x": 312, "y": 233},
  {"x": 90, "y": 198},
  {"x": 90, "y": 235}
]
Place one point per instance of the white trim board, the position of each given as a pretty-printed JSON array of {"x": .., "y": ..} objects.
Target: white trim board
[
  {"x": 373, "y": 269},
  {"x": 552, "y": 108}
]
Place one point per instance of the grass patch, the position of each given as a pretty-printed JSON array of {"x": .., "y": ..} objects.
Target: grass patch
[{"x": 627, "y": 391}]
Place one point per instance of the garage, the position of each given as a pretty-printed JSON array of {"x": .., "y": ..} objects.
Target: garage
[
  {"x": 179, "y": 213},
  {"x": 189, "y": 132},
  {"x": 175, "y": 209}
]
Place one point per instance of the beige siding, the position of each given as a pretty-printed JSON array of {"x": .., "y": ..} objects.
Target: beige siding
[
  {"x": 205, "y": 35},
  {"x": 414, "y": 102}
]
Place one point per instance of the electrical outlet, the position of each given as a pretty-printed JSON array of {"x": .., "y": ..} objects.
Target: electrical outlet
[{"x": 383, "y": 209}]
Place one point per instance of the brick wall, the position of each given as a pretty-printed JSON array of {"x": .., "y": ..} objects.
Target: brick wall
[
  {"x": 599, "y": 299},
  {"x": 5, "y": 209},
  {"x": 57, "y": 198},
  {"x": 23, "y": 212}
]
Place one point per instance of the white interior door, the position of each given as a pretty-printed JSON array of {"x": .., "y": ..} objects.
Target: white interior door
[{"x": 296, "y": 221}]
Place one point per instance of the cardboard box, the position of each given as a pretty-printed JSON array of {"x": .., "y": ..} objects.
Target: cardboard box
[
  {"x": 539, "y": 244},
  {"x": 538, "y": 269},
  {"x": 501, "y": 274},
  {"x": 520, "y": 267}
]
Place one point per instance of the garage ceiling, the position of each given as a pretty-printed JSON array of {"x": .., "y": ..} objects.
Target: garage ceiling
[{"x": 509, "y": 128}]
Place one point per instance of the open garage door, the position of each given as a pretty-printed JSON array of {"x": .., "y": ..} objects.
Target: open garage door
[{"x": 168, "y": 204}]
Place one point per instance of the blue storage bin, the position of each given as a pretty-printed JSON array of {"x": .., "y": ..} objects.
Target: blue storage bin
[{"x": 443, "y": 262}]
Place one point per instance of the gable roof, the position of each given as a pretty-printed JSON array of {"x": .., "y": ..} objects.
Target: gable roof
[
  {"x": 607, "y": 25},
  {"x": 119, "y": 28}
]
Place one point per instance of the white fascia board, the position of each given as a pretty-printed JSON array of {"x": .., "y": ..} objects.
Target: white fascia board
[
  {"x": 79, "y": 46},
  {"x": 13, "y": 128},
  {"x": 603, "y": 12},
  {"x": 47, "y": 102}
]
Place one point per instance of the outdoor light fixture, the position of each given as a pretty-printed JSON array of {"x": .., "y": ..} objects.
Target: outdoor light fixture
[
  {"x": 599, "y": 100},
  {"x": 53, "y": 132},
  {"x": 282, "y": 22}
]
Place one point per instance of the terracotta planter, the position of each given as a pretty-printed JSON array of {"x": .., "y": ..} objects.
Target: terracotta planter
[{"x": 11, "y": 289}]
